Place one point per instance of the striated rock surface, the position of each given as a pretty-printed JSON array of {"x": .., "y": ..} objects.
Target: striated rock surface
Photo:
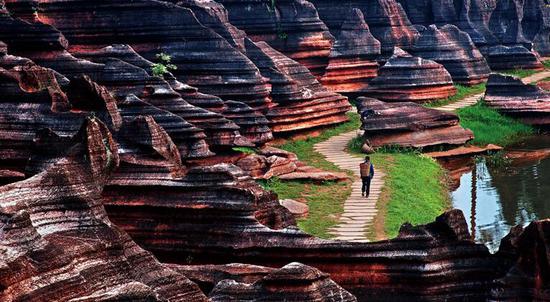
[
  {"x": 58, "y": 245},
  {"x": 203, "y": 58},
  {"x": 491, "y": 23},
  {"x": 510, "y": 96},
  {"x": 453, "y": 48},
  {"x": 352, "y": 58},
  {"x": 252, "y": 125},
  {"x": 529, "y": 278},
  {"x": 512, "y": 57},
  {"x": 292, "y": 27},
  {"x": 408, "y": 78},
  {"x": 408, "y": 124},
  {"x": 292, "y": 282},
  {"x": 301, "y": 101},
  {"x": 386, "y": 18}
]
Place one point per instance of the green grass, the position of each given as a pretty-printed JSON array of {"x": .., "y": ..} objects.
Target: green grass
[
  {"x": 520, "y": 73},
  {"x": 461, "y": 92},
  {"x": 325, "y": 200},
  {"x": 490, "y": 127},
  {"x": 245, "y": 150},
  {"x": 415, "y": 189}
]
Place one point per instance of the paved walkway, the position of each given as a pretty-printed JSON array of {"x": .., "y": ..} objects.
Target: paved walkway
[
  {"x": 471, "y": 100},
  {"x": 359, "y": 212}
]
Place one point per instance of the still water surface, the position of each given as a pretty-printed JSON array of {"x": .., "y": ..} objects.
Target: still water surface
[{"x": 494, "y": 199}]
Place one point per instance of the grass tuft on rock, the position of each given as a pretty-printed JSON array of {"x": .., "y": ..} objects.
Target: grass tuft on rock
[{"x": 491, "y": 127}]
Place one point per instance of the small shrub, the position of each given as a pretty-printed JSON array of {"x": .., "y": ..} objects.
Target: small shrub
[{"x": 163, "y": 66}]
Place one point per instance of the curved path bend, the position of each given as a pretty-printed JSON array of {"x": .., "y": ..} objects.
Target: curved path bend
[{"x": 359, "y": 212}]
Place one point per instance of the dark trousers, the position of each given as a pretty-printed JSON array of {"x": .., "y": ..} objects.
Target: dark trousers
[{"x": 366, "y": 185}]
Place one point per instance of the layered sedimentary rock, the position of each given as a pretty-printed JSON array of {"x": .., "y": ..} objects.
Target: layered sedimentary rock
[
  {"x": 57, "y": 243},
  {"x": 529, "y": 278},
  {"x": 408, "y": 124},
  {"x": 386, "y": 18},
  {"x": 302, "y": 102},
  {"x": 194, "y": 228},
  {"x": 293, "y": 282},
  {"x": 290, "y": 26},
  {"x": 252, "y": 125},
  {"x": 512, "y": 57},
  {"x": 490, "y": 23},
  {"x": 352, "y": 58},
  {"x": 408, "y": 78},
  {"x": 203, "y": 58},
  {"x": 453, "y": 48},
  {"x": 213, "y": 15},
  {"x": 510, "y": 96}
]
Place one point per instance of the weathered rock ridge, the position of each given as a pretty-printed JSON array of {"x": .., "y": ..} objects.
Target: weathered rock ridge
[{"x": 453, "y": 48}]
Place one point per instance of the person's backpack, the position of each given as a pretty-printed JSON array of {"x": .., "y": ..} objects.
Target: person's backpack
[{"x": 364, "y": 169}]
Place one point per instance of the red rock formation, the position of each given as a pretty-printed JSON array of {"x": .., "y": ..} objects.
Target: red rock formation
[
  {"x": 513, "y": 57},
  {"x": 252, "y": 125},
  {"x": 408, "y": 78},
  {"x": 290, "y": 26},
  {"x": 302, "y": 102},
  {"x": 510, "y": 96},
  {"x": 408, "y": 124},
  {"x": 203, "y": 58},
  {"x": 491, "y": 23},
  {"x": 293, "y": 282},
  {"x": 529, "y": 278},
  {"x": 352, "y": 58},
  {"x": 214, "y": 16},
  {"x": 58, "y": 245},
  {"x": 386, "y": 18},
  {"x": 453, "y": 49}
]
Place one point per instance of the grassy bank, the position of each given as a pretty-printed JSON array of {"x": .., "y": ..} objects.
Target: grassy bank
[
  {"x": 325, "y": 200},
  {"x": 490, "y": 127},
  {"x": 415, "y": 190},
  {"x": 461, "y": 92}
]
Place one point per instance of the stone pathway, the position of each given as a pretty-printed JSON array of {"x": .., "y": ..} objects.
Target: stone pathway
[
  {"x": 465, "y": 102},
  {"x": 359, "y": 212},
  {"x": 471, "y": 100}
]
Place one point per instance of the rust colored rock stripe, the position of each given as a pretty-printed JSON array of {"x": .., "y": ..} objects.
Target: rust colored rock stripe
[{"x": 359, "y": 212}]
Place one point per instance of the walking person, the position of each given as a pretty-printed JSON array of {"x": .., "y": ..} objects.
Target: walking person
[{"x": 366, "y": 170}]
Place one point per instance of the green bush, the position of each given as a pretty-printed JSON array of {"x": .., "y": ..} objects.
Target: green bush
[{"x": 163, "y": 66}]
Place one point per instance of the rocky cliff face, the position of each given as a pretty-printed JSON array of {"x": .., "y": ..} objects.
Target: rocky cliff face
[
  {"x": 387, "y": 20},
  {"x": 453, "y": 48},
  {"x": 94, "y": 144},
  {"x": 292, "y": 27},
  {"x": 492, "y": 25},
  {"x": 57, "y": 243},
  {"x": 352, "y": 58}
]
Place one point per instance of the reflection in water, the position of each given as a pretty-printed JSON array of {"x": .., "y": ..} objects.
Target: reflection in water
[{"x": 497, "y": 198}]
